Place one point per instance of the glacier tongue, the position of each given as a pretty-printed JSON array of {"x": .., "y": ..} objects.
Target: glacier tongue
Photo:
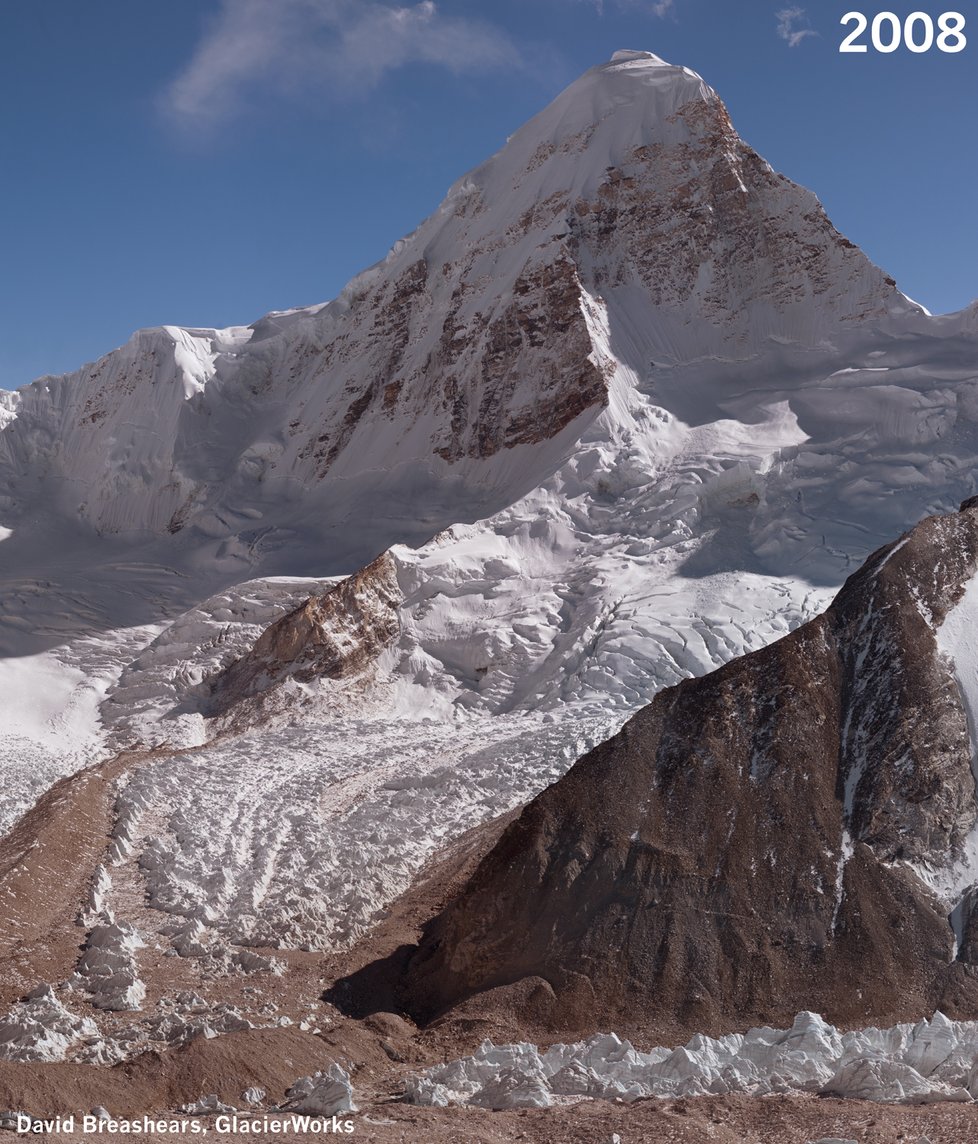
[{"x": 255, "y": 837}]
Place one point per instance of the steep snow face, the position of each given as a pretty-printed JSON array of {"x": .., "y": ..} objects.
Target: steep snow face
[
  {"x": 112, "y": 430},
  {"x": 955, "y": 638}
]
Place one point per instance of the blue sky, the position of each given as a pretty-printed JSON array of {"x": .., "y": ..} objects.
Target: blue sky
[{"x": 200, "y": 162}]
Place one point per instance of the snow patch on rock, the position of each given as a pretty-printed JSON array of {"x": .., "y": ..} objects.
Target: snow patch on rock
[{"x": 956, "y": 641}]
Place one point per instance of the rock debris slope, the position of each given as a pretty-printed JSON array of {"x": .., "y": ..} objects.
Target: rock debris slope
[{"x": 795, "y": 830}]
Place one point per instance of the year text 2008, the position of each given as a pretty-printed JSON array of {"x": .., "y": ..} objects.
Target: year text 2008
[{"x": 919, "y": 32}]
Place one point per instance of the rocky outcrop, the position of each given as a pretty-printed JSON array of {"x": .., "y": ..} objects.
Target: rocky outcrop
[
  {"x": 333, "y": 636},
  {"x": 546, "y": 325},
  {"x": 746, "y": 846}
]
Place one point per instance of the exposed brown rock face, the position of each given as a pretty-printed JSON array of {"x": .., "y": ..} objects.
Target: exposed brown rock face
[
  {"x": 544, "y": 325},
  {"x": 333, "y": 636},
  {"x": 513, "y": 375},
  {"x": 696, "y": 223},
  {"x": 734, "y": 854}
]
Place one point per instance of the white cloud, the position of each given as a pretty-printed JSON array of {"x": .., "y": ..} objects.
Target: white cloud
[
  {"x": 791, "y": 26},
  {"x": 656, "y": 7},
  {"x": 297, "y": 46}
]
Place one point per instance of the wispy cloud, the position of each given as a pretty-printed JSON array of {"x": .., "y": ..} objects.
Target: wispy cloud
[
  {"x": 292, "y": 47},
  {"x": 656, "y": 7},
  {"x": 793, "y": 26}
]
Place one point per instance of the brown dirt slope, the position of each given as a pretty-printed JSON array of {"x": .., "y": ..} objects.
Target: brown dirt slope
[{"x": 46, "y": 866}]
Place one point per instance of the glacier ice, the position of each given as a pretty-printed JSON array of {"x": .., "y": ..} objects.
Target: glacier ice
[
  {"x": 40, "y": 1028},
  {"x": 932, "y": 1060},
  {"x": 322, "y": 1094}
]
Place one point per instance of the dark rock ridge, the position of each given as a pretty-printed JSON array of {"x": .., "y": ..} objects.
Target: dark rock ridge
[{"x": 744, "y": 848}]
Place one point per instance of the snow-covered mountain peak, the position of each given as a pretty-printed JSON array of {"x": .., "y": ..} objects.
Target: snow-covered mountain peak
[
  {"x": 627, "y": 55},
  {"x": 624, "y": 407},
  {"x": 633, "y": 100},
  {"x": 625, "y": 291}
]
